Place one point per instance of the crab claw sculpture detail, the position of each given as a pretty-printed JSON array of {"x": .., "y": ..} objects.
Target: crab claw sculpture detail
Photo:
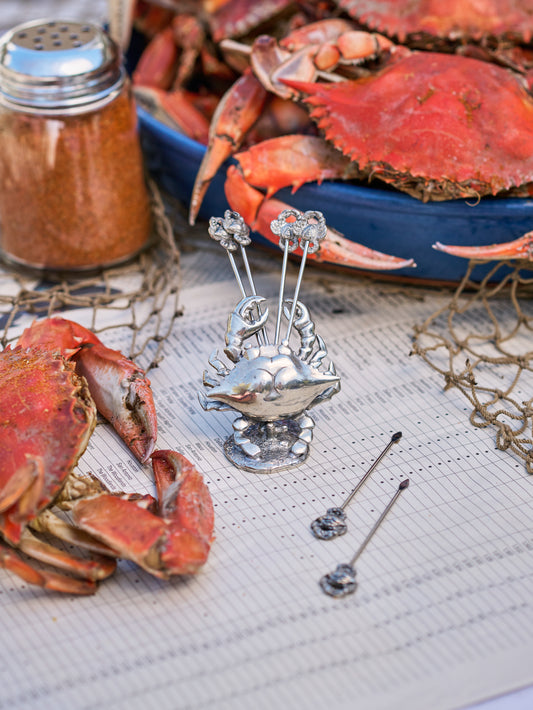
[
  {"x": 520, "y": 249},
  {"x": 272, "y": 387}
]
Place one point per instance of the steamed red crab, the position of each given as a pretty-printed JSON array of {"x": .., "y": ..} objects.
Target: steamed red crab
[
  {"x": 436, "y": 126},
  {"x": 425, "y": 22},
  {"x": 53, "y": 382}
]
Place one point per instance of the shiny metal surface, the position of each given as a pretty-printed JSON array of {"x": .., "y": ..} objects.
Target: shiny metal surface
[
  {"x": 271, "y": 384},
  {"x": 54, "y": 65},
  {"x": 342, "y": 581},
  {"x": 333, "y": 523}
]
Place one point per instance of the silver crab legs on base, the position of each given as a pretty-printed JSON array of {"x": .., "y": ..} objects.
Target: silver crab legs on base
[{"x": 271, "y": 385}]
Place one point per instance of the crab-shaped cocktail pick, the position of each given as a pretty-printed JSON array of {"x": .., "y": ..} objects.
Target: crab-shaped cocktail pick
[
  {"x": 341, "y": 581},
  {"x": 333, "y": 522},
  {"x": 295, "y": 229},
  {"x": 232, "y": 232},
  {"x": 272, "y": 386},
  {"x": 287, "y": 230}
]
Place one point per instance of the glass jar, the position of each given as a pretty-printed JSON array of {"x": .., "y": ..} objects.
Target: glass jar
[{"x": 72, "y": 188}]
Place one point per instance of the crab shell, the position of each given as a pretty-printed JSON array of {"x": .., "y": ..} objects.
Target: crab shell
[
  {"x": 46, "y": 419},
  {"x": 271, "y": 383},
  {"x": 456, "y": 20},
  {"x": 436, "y": 126},
  {"x": 233, "y": 18}
]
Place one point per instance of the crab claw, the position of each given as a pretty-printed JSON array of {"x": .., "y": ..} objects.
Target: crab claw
[
  {"x": 177, "y": 541},
  {"x": 241, "y": 324},
  {"x": 156, "y": 66},
  {"x": 259, "y": 212},
  {"x": 521, "y": 248},
  {"x": 237, "y": 111},
  {"x": 291, "y": 161},
  {"x": 185, "y": 502},
  {"x": 57, "y": 335},
  {"x": 120, "y": 389},
  {"x": 122, "y": 394}
]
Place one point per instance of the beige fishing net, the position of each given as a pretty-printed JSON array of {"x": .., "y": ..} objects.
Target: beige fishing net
[
  {"x": 481, "y": 343},
  {"x": 140, "y": 296}
]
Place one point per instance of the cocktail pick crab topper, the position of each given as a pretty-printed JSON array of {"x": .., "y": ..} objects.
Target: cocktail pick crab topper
[{"x": 269, "y": 383}]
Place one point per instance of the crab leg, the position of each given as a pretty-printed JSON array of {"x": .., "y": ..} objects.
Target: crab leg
[
  {"x": 521, "y": 248},
  {"x": 176, "y": 541},
  {"x": 28, "y": 477},
  {"x": 175, "y": 108},
  {"x": 95, "y": 569},
  {"x": 293, "y": 160},
  {"x": 238, "y": 110},
  {"x": 156, "y": 66},
  {"x": 48, "y": 522},
  {"x": 48, "y": 580},
  {"x": 259, "y": 211}
]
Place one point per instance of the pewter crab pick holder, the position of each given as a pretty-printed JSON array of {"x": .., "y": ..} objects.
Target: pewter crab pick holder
[{"x": 270, "y": 381}]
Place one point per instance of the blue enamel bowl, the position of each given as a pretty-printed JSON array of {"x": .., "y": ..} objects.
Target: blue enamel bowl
[{"x": 382, "y": 219}]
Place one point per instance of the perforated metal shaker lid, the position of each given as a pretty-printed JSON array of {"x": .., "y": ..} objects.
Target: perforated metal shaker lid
[{"x": 54, "y": 65}]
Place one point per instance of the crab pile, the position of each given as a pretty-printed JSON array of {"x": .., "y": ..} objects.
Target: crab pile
[
  {"x": 54, "y": 381},
  {"x": 432, "y": 99}
]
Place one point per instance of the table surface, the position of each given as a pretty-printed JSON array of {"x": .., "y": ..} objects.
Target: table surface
[{"x": 14, "y": 12}]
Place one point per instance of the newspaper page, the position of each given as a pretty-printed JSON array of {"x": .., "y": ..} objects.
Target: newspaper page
[{"x": 442, "y": 615}]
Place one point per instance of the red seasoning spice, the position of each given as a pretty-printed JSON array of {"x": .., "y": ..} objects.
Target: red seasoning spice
[{"x": 72, "y": 189}]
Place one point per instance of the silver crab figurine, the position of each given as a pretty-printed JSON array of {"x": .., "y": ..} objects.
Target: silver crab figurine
[{"x": 268, "y": 382}]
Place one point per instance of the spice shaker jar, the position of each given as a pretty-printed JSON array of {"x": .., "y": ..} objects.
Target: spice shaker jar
[{"x": 72, "y": 188}]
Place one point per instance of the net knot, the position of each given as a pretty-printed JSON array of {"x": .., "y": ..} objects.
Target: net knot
[{"x": 504, "y": 436}]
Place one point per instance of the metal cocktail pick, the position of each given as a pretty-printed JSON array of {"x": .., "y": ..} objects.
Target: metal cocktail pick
[
  {"x": 306, "y": 230},
  {"x": 232, "y": 232},
  {"x": 342, "y": 582},
  {"x": 333, "y": 523}
]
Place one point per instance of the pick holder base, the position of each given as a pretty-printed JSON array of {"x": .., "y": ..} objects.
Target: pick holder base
[{"x": 273, "y": 446}]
